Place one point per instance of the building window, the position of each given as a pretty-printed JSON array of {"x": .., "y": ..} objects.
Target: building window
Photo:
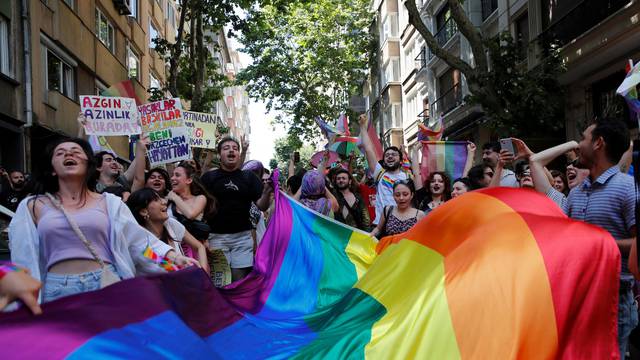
[
  {"x": 133, "y": 5},
  {"x": 100, "y": 87},
  {"x": 5, "y": 46},
  {"x": 60, "y": 76},
  {"x": 154, "y": 82},
  {"x": 153, "y": 33},
  {"x": 488, "y": 7},
  {"x": 389, "y": 27},
  {"x": 105, "y": 32},
  {"x": 171, "y": 15},
  {"x": 522, "y": 33},
  {"x": 70, "y": 3},
  {"x": 133, "y": 63},
  {"x": 391, "y": 70}
]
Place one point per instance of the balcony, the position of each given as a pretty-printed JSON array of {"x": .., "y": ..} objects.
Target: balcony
[
  {"x": 570, "y": 24},
  {"x": 421, "y": 59},
  {"x": 488, "y": 7},
  {"x": 449, "y": 100},
  {"x": 446, "y": 32}
]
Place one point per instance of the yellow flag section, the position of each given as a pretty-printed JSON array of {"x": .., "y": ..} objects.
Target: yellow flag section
[{"x": 476, "y": 290}]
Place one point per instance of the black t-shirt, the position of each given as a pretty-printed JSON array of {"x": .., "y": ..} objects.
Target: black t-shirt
[
  {"x": 234, "y": 191},
  {"x": 10, "y": 198}
]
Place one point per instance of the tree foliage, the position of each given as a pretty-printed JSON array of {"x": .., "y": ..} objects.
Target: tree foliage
[
  {"x": 286, "y": 146},
  {"x": 309, "y": 58},
  {"x": 518, "y": 101}
]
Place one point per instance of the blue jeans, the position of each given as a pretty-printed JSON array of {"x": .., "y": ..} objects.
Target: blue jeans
[
  {"x": 61, "y": 285},
  {"x": 627, "y": 315}
]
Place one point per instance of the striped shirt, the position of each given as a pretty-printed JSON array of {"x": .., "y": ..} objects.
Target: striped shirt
[{"x": 608, "y": 202}]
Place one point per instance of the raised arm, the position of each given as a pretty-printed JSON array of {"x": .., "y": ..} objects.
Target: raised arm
[
  {"x": 505, "y": 158},
  {"x": 292, "y": 165},
  {"x": 245, "y": 149},
  {"x": 82, "y": 120},
  {"x": 369, "y": 152},
  {"x": 546, "y": 156},
  {"x": 189, "y": 211},
  {"x": 415, "y": 165},
  {"x": 471, "y": 154},
  {"x": 199, "y": 248},
  {"x": 135, "y": 172},
  {"x": 207, "y": 162}
]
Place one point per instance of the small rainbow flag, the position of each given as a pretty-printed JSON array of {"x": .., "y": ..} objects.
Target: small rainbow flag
[
  {"x": 452, "y": 287},
  {"x": 447, "y": 156},
  {"x": 435, "y": 134},
  {"x": 628, "y": 88},
  {"x": 124, "y": 89},
  {"x": 162, "y": 261}
]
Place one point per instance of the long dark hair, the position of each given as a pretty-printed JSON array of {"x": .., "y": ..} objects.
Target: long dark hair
[
  {"x": 139, "y": 200},
  {"x": 197, "y": 188},
  {"x": 446, "y": 195},
  {"x": 46, "y": 181}
]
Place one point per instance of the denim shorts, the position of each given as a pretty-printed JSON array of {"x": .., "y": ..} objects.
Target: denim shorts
[{"x": 61, "y": 285}]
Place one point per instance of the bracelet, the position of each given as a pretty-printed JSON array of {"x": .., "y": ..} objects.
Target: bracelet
[{"x": 9, "y": 268}]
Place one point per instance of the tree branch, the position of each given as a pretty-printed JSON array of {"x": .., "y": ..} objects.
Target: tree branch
[
  {"x": 177, "y": 51},
  {"x": 447, "y": 57},
  {"x": 466, "y": 27}
]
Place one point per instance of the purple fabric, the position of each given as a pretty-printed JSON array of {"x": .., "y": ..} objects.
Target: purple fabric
[
  {"x": 60, "y": 242},
  {"x": 253, "y": 165},
  {"x": 312, "y": 192}
]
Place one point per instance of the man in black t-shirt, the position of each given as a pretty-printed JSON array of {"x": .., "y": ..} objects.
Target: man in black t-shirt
[
  {"x": 234, "y": 190},
  {"x": 14, "y": 192}
]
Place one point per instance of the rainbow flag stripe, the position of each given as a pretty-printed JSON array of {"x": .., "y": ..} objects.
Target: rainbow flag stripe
[
  {"x": 447, "y": 156},
  {"x": 454, "y": 286},
  {"x": 162, "y": 261},
  {"x": 124, "y": 89}
]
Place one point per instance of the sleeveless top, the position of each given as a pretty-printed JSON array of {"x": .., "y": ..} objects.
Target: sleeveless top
[
  {"x": 59, "y": 242},
  {"x": 394, "y": 225}
]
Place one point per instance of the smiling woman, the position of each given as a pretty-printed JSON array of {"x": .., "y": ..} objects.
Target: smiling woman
[{"x": 76, "y": 240}]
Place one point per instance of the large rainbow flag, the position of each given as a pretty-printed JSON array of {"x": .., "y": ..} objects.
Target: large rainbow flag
[
  {"x": 447, "y": 156},
  {"x": 494, "y": 274}
]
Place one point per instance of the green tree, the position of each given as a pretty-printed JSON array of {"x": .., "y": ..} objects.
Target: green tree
[
  {"x": 286, "y": 146},
  {"x": 309, "y": 58},
  {"x": 518, "y": 101}
]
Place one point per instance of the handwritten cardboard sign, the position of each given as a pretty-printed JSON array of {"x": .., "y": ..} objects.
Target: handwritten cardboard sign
[
  {"x": 110, "y": 116},
  {"x": 163, "y": 122},
  {"x": 202, "y": 129}
]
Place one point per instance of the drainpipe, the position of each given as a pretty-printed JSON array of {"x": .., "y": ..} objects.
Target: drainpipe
[
  {"x": 26, "y": 44},
  {"x": 28, "y": 99}
]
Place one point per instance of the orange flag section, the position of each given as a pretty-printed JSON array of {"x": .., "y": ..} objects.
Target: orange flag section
[{"x": 520, "y": 279}]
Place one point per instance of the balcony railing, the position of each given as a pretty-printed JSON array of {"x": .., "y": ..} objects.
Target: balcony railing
[
  {"x": 446, "y": 32},
  {"x": 424, "y": 116},
  {"x": 488, "y": 7},
  {"x": 421, "y": 59},
  {"x": 449, "y": 100},
  {"x": 580, "y": 19}
]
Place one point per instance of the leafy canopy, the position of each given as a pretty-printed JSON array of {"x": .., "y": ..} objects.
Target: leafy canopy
[{"x": 309, "y": 58}]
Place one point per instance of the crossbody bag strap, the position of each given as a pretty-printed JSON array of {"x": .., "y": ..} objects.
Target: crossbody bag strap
[{"x": 77, "y": 230}]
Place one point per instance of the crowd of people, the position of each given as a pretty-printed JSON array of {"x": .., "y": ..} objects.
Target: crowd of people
[{"x": 85, "y": 217}]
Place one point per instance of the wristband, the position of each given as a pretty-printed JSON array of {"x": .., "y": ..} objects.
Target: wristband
[{"x": 9, "y": 268}]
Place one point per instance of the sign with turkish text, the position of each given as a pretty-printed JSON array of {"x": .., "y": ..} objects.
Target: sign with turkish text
[
  {"x": 202, "y": 129},
  {"x": 110, "y": 116},
  {"x": 163, "y": 122}
]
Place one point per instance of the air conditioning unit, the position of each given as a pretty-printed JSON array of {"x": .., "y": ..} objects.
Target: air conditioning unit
[{"x": 123, "y": 6}]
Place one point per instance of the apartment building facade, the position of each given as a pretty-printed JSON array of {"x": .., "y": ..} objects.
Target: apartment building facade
[{"x": 410, "y": 85}]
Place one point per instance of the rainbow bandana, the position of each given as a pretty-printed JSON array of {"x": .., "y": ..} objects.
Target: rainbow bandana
[{"x": 494, "y": 274}]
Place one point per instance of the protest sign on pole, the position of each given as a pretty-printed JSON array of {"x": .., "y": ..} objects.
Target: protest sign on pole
[
  {"x": 163, "y": 122},
  {"x": 110, "y": 116},
  {"x": 202, "y": 129}
]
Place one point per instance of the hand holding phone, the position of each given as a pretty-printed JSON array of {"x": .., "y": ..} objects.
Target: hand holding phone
[
  {"x": 296, "y": 157},
  {"x": 507, "y": 144}
]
